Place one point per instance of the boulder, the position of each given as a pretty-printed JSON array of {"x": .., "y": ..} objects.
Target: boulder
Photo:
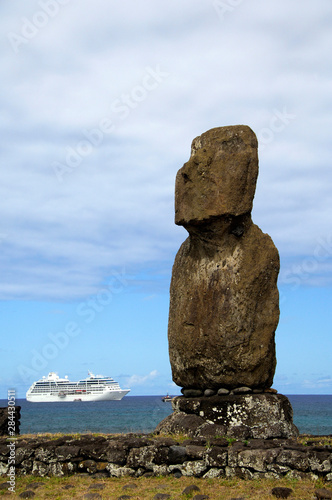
[
  {"x": 281, "y": 492},
  {"x": 239, "y": 416},
  {"x": 323, "y": 493}
]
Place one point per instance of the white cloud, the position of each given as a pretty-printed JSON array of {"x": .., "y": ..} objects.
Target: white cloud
[
  {"x": 115, "y": 207},
  {"x": 136, "y": 380},
  {"x": 318, "y": 383}
]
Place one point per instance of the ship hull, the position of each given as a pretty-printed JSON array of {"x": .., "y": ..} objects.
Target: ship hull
[{"x": 52, "y": 398}]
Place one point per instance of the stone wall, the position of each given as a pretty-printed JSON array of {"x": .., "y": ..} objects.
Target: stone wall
[
  {"x": 151, "y": 455},
  {"x": 5, "y": 428}
]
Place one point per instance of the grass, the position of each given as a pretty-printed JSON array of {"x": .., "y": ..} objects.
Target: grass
[
  {"x": 146, "y": 488},
  {"x": 57, "y": 435},
  {"x": 308, "y": 440},
  {"x": 304, "y": 439}
]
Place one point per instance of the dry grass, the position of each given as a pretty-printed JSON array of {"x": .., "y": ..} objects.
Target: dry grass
[
  {"x": 309, "y": 440},
  {"x": 146, "y": 488},
  {"x": 304, "y": 439},
  {"x": 57, "y": 435}
]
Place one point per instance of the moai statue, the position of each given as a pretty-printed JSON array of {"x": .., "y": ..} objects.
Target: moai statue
[{"x": 224, "y": 302}]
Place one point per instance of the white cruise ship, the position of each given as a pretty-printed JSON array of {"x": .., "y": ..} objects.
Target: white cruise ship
[{"x": 93, "y": 388}]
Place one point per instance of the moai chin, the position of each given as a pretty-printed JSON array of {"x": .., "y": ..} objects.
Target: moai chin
[{"x": 224, "y": 301}]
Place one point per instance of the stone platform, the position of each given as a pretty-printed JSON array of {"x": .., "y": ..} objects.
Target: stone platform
[
  {"x": 151, "y": 455},
  {"x": 239, "y": 416}
]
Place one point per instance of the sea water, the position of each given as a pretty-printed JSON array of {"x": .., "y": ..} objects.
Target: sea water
[
  {"x": 131, "y": 414},
  {"x": 141, "y": 414},
  {"x": 312, "y": 414}
]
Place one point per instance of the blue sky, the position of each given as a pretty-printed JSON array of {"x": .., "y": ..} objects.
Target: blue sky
[{"x": 100, "y": 102}]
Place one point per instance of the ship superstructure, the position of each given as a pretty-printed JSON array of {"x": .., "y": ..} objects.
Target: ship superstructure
[{"x": 93, "y": 388}]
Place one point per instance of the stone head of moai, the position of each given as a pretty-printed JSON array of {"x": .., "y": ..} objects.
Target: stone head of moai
[
  {"x": 219, "y": 178},
  {"x": 224, "y": 302}
]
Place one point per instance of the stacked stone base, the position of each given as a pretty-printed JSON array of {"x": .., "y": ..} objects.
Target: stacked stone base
[
  {"x": 239, "y": 416},
  {"x": 10, "y": 420}
]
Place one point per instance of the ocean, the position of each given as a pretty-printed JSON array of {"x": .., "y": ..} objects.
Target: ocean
[{"x": 141, "y": 414}]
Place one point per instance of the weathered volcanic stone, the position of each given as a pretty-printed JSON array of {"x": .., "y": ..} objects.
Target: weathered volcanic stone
[
  {"x": 10, "y": 418},
  {"x": 258, "y": 416},
  {"x": 224, "y": 302},
  {"x": 220, "y": 176}
]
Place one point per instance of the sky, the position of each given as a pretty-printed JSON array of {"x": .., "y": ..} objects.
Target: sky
[{"x": 100, "y": 102}]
